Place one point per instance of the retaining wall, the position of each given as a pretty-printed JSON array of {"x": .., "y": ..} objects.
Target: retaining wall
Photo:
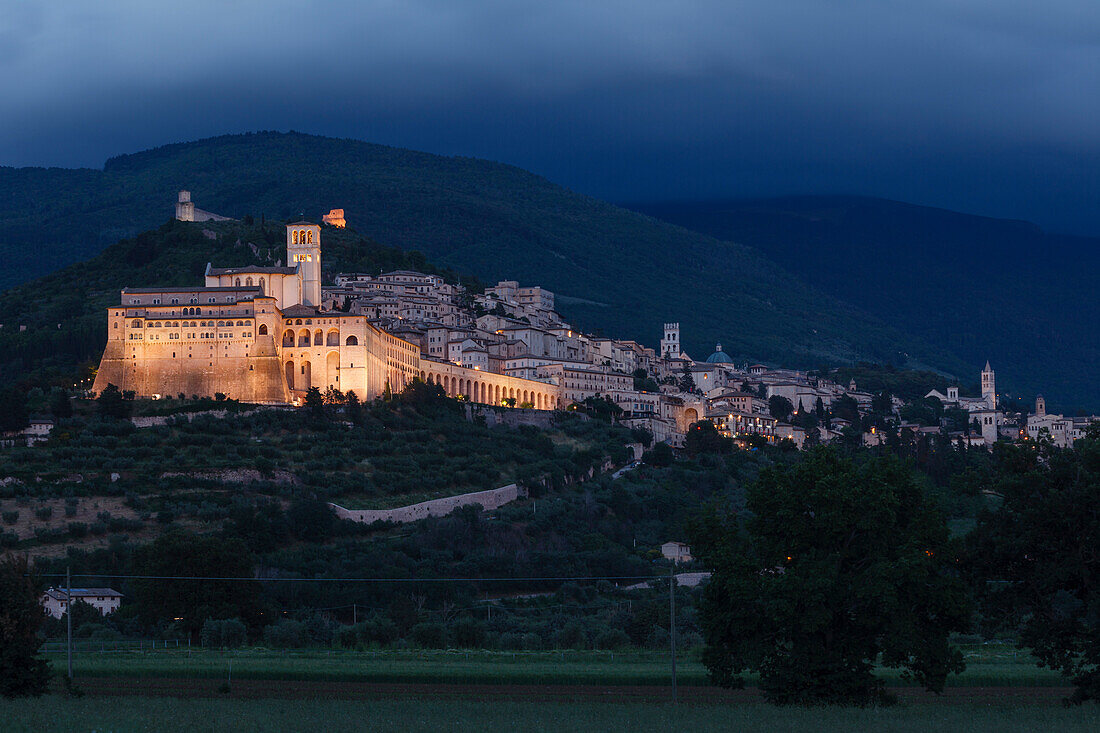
[{"x": 490, "y": 499}]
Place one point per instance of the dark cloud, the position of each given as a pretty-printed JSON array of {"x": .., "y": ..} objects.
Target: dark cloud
[{"x": 978, "y": 105}]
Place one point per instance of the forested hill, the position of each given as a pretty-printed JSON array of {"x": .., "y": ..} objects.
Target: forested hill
[
  {"x": 988, "y": 288},
  {"x": 615, "y": 270}
]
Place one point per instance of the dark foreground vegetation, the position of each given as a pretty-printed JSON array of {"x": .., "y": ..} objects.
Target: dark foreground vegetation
[
  {"x": 829, "y": 565},
  {"x": 414, "y": 713}
]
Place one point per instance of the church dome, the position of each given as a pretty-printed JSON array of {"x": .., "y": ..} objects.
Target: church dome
[{"x": 719, "y": 356}]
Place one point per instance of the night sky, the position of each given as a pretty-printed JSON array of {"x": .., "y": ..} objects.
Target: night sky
[{"x": 985, "y": 106}]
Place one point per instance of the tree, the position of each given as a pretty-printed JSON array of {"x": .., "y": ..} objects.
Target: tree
[
  {"x": 660, "y": 455},
  {"x": 832, "y": 566},
  {"x": 687, "y": 383},
  {"x": 166, "y": 598},
  {"x": 111, "y": 404},
  {"x": 703, "y": 437},
  {"x": 315, "y": 404},
  {"x": 845, "y": 408},
  {"x": 61, "y": 406},
  {"x": 602, "y": 408},
  {"x": 353, "y": 408},
  {"x": 22, "y": 671},
  {"x": 13, "y": 410},
  {"x": 311, "y": 520},
  {"x": 1036, "y": 556},
  {"x": 780, "y": 407},
  {"x": 881, "y": 403},
  {"x": 420, "y": 393},
  {"x": 643, "y": 382}
]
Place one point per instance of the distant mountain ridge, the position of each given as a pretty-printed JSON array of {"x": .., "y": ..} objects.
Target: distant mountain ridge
[
  {"x": 985, "y": 288},
  {"x": 617, "y": 271}
]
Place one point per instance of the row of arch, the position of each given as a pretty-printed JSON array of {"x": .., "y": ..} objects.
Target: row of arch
[
  {"x": 319, "y": 338},
  {"x": 299, "y": 375},
  {"x": 248, "y": 282},
  {"x": 491, "y": 394}
]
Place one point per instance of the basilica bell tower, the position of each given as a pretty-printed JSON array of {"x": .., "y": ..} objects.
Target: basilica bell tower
[{"x": 303, "y": 250}]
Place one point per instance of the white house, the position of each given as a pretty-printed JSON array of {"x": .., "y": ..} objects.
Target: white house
[
  {"x": 55, "y": 601},
  {"x": 676, "y": 552}
]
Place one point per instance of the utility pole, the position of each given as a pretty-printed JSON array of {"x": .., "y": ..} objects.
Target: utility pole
[
  {"x": 672, "y": 624},
  {"x": 69, "y": 616},
  {"x": 354, "y": 614}
]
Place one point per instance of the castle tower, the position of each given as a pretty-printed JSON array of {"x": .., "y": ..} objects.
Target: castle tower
[
  {"x": 1040, "y": 406},
  {"x": 989, "y": 386},
  {"x": 185, "y": 208},
  {"x": 303, "y": 249},
  {"x": 670, "y": 344}
]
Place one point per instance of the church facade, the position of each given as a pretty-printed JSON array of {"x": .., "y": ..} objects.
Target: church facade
[{"x": 259, "y": 334}]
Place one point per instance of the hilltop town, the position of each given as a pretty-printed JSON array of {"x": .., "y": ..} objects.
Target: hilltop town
[{"x": 268, "y": 334}]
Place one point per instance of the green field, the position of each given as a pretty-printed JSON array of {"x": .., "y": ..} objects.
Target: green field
[
  {"x": 167, "y": 714},
  {"x": 987, "y": 666}
]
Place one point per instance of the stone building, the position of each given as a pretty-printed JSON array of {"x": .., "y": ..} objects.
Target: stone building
[{"x": 261, "y": 335}]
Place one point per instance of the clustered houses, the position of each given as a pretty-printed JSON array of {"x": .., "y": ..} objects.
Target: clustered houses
[
  {"x": 1059, "y": 429},
  {"x": 268, "y": 334}
]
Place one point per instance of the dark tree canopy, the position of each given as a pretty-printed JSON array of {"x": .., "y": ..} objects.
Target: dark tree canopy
[
  {"x": 190, "y": 602},
  {"x": 780, "y": 407},
  {"x": 833, "y": 566},
  {"x": 112, "y": 404},
  {"x": 22, "y": 671},
  {"x": 13, "y": 410},
  {"x": 703, "y": 437},
  {"x": 1041, "y": 550}
]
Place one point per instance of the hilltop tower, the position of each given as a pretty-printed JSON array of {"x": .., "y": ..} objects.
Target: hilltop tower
[
  {"x": 1040, "y": 406},
  {"x": 989, "y": 386},
  {"x": 670, "y": 344},
  {"x": 185, "y": 207},
  {"x": 303, "y": 249}
]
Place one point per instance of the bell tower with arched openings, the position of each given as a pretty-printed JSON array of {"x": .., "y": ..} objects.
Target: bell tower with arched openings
[
  {"x": 989, "y": 386},
  {"x": 303, "y": 249}
]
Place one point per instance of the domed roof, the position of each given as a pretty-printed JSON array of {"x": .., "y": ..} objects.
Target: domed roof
[{"x": 719, "y": 356}]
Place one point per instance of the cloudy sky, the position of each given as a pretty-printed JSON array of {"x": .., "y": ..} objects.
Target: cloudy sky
[{"x": 988, "y": 106}]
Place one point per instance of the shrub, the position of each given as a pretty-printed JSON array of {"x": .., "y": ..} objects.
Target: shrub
[
  {"x": 612, "y": 639},
  {"x": 43, "y": 512},
  {"x": 510, "y": 641},
  {"x": 286, "y": 634},
  {"x": 380, "y": 630},
  {"x": 429, "y": 636},
  {"x": 78, "y": 529},
  {"x": 468, "y": 633},
  {"x": 11, "y": 517},
  {"x": 572, "y": 636},
  {"x": 227, "y": 633}
]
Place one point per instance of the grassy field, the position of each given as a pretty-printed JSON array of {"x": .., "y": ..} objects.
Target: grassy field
[
  {"x": 56, "y": 713},
  {"x": 986, "y": 666}
]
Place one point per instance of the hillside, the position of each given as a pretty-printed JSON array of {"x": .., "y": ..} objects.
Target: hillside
[
  {"x": 988, "y": 288},
  {"x": 64, "y": 312},
  {"x": 615, "y": 271}
]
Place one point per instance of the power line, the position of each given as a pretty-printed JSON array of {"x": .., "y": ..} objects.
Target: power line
[{"x": 545, "y": 579}]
